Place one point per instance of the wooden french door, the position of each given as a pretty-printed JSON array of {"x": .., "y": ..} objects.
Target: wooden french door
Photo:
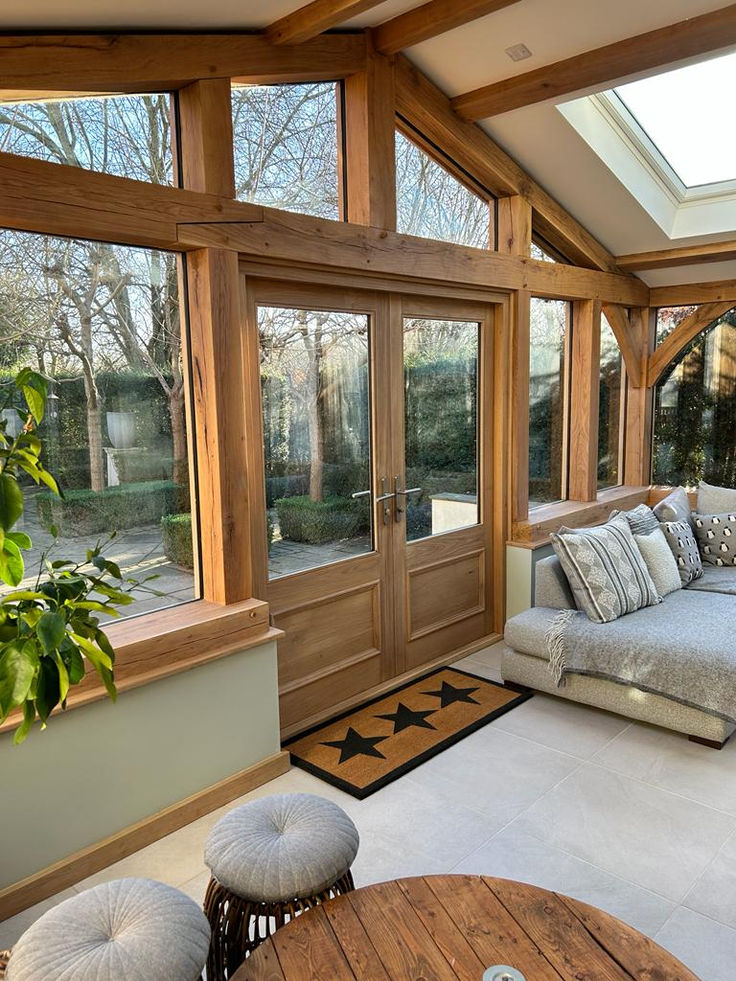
[{"x": 374, "y": 477}]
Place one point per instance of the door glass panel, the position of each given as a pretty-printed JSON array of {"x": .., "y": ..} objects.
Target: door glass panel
[
  {"x": 315, "y": 390},
  {"x": 441, "y": 425}
]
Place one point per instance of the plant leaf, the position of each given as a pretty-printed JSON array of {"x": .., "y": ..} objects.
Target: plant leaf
[
  {"x": 47, "y": 689},
  {"x": 17, "y": 669},
  {"x": 63, "y": 676},
  {"x": 11, "y": 501},
  {"x": 29, "y": 717},
  {"x": 35, "y": 389},
  {"x": 11, "y": 563},
  {"x": 21, "y": 539},
  {"x": 51, "y": 631}
]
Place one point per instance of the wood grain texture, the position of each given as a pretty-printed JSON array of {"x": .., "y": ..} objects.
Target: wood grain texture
[
  {"x": 576, "y": 514},
  {"x": 584, "y": 396},
  {"x": 637, "y": 451},
  {"x": 686, "y": 255},
  {"x": 688, "y": 293},
  {"x": 312, "y": 19},
  {"x": 431, "y": 19},
  {"x": 289, "y": 238},
  {"x": 86, "y": 862},
  {"x": 159, "y": 62},
  {"x": 444, "y": 927},
  {"x": 429, "y": 111},
  {"x": 515, "y": 225},
  {"x": 54, "y": 199},
  {"x": 370, "y": 155},
  {"x": 518, "y": 403},
  {"x": 633, "y": 352},
  {"x": 206, "y": 131},
  {"x": 701, "y": 35},
  {"x": 681, "y": 336}
]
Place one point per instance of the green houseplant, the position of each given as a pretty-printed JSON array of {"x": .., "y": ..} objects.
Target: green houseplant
[{"x": 48, "y": 633}]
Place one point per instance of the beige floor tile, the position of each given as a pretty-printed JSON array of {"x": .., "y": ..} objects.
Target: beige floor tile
[
  {"x": 714, "y": 894},
  {"x": 706, "y": 947},
  {"x": 636, "y": 831},
  {"x": 12, "y": 928},
  {"x": 512, "y": 854},
  {"x": 668, "y": 760}
]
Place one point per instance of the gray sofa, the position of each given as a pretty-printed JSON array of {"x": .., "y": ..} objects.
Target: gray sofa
[{"x": 525, "y": 660}]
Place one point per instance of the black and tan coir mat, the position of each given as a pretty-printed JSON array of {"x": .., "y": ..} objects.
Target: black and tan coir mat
[{"x": 365, "y": 749}]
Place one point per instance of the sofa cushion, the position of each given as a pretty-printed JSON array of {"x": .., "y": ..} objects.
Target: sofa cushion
[
  {"x": 605, "y": 569},
  {"x": 551, "y": 587},
  {"x": 681, "y": 539},
  {"x": 716, "y": 535},
  {"x": 715, "y": 500},
  {"x": 660, "y": 561},
  {"x": 674, "y": 507},
  {"x": 715, "y": 579},
  {"x": 642, "y": 520}
]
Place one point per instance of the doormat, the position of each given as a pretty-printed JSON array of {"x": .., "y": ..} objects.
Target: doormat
[{"x": 365, "y": 749}]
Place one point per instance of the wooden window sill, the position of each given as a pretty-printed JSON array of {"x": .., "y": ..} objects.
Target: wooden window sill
[
  {"x": 163, "y": 643},
  {"x": 534, "y": 532}
]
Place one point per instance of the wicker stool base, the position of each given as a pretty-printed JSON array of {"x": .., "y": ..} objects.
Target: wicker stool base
[
  {"x": 240, "y": 925},
  {"x": 4, "y": 958}
]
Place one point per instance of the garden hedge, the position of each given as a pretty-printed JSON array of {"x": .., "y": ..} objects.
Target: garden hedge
[
  {"x": 85, "y": 512},
  {"x": 176, "y": 535},
  {"x": 315, "y": 522}
]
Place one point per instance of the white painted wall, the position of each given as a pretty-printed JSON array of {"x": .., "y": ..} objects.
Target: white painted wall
[{"x": 102, "y": 767}]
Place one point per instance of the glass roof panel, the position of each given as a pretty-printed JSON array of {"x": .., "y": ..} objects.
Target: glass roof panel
[{"x": 684, "y": 113}]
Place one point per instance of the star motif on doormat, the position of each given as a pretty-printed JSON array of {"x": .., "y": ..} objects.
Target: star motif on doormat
[
  {"x": 448, "y": 695},
  {"x": 404, "y": 718},
  {"x": 356, "y": 745}
]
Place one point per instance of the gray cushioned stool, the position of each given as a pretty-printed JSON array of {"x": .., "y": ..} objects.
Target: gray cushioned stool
[
  {"x": 271, "y": 859},
  {"x": 127, "y": 930}
]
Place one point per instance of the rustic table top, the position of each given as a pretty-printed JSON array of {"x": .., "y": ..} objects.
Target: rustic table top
[{"x": 455, "y": 926}]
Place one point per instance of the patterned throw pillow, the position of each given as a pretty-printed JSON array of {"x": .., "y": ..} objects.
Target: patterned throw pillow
[
  {"x": 605, "y": 569},
  {"x": 681, "y": 540},
  {"x": 642, "y": 520},
  {"x": 716, "y": 534},
  {"x": 674, "y": 507}
]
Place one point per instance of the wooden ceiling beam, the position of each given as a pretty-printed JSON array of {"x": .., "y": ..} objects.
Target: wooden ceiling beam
[
  {"x": 685, "y": 331},
  {"x": 685, "y": 256},
  {"x": 164, "y": 62},
  {"x": 632, "y": 352},
  {"x": 431, "y": 19},
  {"x": 714, "y": 31},
  {"x": 687, "y": 293},
  {"x": 314, "y": 18}
]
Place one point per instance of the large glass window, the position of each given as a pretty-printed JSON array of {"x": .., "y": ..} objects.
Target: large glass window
[
  {"x": 441, "y": 425},
  {"x": 609, "y": 408},
  {"x": 668, "y": 318},
  {"x": 103, "y": 323},
  {"x": 316, "y": 419},
  {"x": 286, "y": 147},
  {"x": 431, "y": 203},
  {"x": 548, "y": 358},
  {"x": 125, "y": 135},
  {"x": 695, "y": 411}
]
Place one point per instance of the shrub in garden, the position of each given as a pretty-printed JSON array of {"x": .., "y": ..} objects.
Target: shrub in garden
[
  {"x": 176, "y": 535},
  {"x": 303, "y": 520},
  {"x": 85, "y": 512}
]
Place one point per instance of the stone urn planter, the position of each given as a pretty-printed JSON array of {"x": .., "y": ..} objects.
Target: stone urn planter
[{"x": 121, "y": 429}]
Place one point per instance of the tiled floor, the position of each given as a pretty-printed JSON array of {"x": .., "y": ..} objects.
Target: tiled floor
[{"x": 633, "y": 819}]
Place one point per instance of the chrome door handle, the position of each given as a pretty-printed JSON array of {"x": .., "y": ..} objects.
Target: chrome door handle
[
  {"x": 401, "y": 508},
  {"x": 381, "y": 499},
  {"x": 358, "y": 494}
]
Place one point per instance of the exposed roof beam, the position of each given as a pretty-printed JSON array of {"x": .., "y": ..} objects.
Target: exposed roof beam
[
  {"x": 688, "y": 293},
  {"x": 665, "y": 353},
  {"x": 685, "y": 256},
  {"x": 686, "y": 39},
  {"x": 309, "y": 21},
  {"x": 429, "y": 20}
]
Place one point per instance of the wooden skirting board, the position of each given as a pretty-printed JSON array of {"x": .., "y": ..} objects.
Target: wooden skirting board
[{"x": 80, "y": 865}]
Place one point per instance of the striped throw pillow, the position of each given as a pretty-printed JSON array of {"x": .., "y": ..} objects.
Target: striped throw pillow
[{"x": 606, "y": 570}]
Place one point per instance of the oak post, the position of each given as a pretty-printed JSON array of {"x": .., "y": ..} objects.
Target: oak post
[
  {"x": 370, "y": 157},
  {"x": 584, "y": 399},
  {"x": 639, "y": 403},
  {"x": 515, "y": 225}
]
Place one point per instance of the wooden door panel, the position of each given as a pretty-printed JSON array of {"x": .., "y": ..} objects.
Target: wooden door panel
[
  {"x": 307, "y": 700},
  {"x": 444, "y": 592}
]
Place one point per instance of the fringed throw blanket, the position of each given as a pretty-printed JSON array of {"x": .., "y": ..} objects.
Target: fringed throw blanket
[{"x": 690, "y": 659}]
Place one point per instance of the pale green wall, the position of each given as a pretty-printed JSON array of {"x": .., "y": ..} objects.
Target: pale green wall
[
  {"x": 100, "y": 768},
  {"x": 520, "y": 563}
]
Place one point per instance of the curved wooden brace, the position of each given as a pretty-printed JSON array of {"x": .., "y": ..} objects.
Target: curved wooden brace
[
  {"x": 690, "y": 327},
  {"x": 631, "y": 349}
]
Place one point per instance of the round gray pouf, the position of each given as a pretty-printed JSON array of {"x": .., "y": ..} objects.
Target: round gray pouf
[
  {"x": 127, "y": 930},
  {"x": 271, "y": 859}
]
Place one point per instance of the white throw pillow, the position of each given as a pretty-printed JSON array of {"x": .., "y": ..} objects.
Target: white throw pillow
[
  {"x": 715, "y": 500},
  {"x": 660, "y": 561}
]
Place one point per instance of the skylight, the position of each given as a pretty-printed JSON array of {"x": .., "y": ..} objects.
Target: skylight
[{"x": 682, "y": 113}]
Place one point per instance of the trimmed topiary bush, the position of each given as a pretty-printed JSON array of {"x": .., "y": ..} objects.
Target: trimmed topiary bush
[
  {"x": 176, "y": 535},
  {"x": 303, "y": 520},
  {"x": 86, "y": 512}
]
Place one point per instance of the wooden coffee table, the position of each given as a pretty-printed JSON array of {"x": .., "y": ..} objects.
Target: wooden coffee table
[{"x": 455, "y": 926}]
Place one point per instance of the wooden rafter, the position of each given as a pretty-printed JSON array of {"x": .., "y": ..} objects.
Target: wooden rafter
[
  {"x": 162, "y": 62},
  {"x": 429, "y": 20},
  {"x": 631, "y": 349},
  {"x": 690, "y": 38},
  {"x": 428, "y": 110},
  {"x": 314, "y": 18},
  {"x": 685, "y": 331},
  {"x": 688, "y": 293},
  {"x": 685, "y": 256}
]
